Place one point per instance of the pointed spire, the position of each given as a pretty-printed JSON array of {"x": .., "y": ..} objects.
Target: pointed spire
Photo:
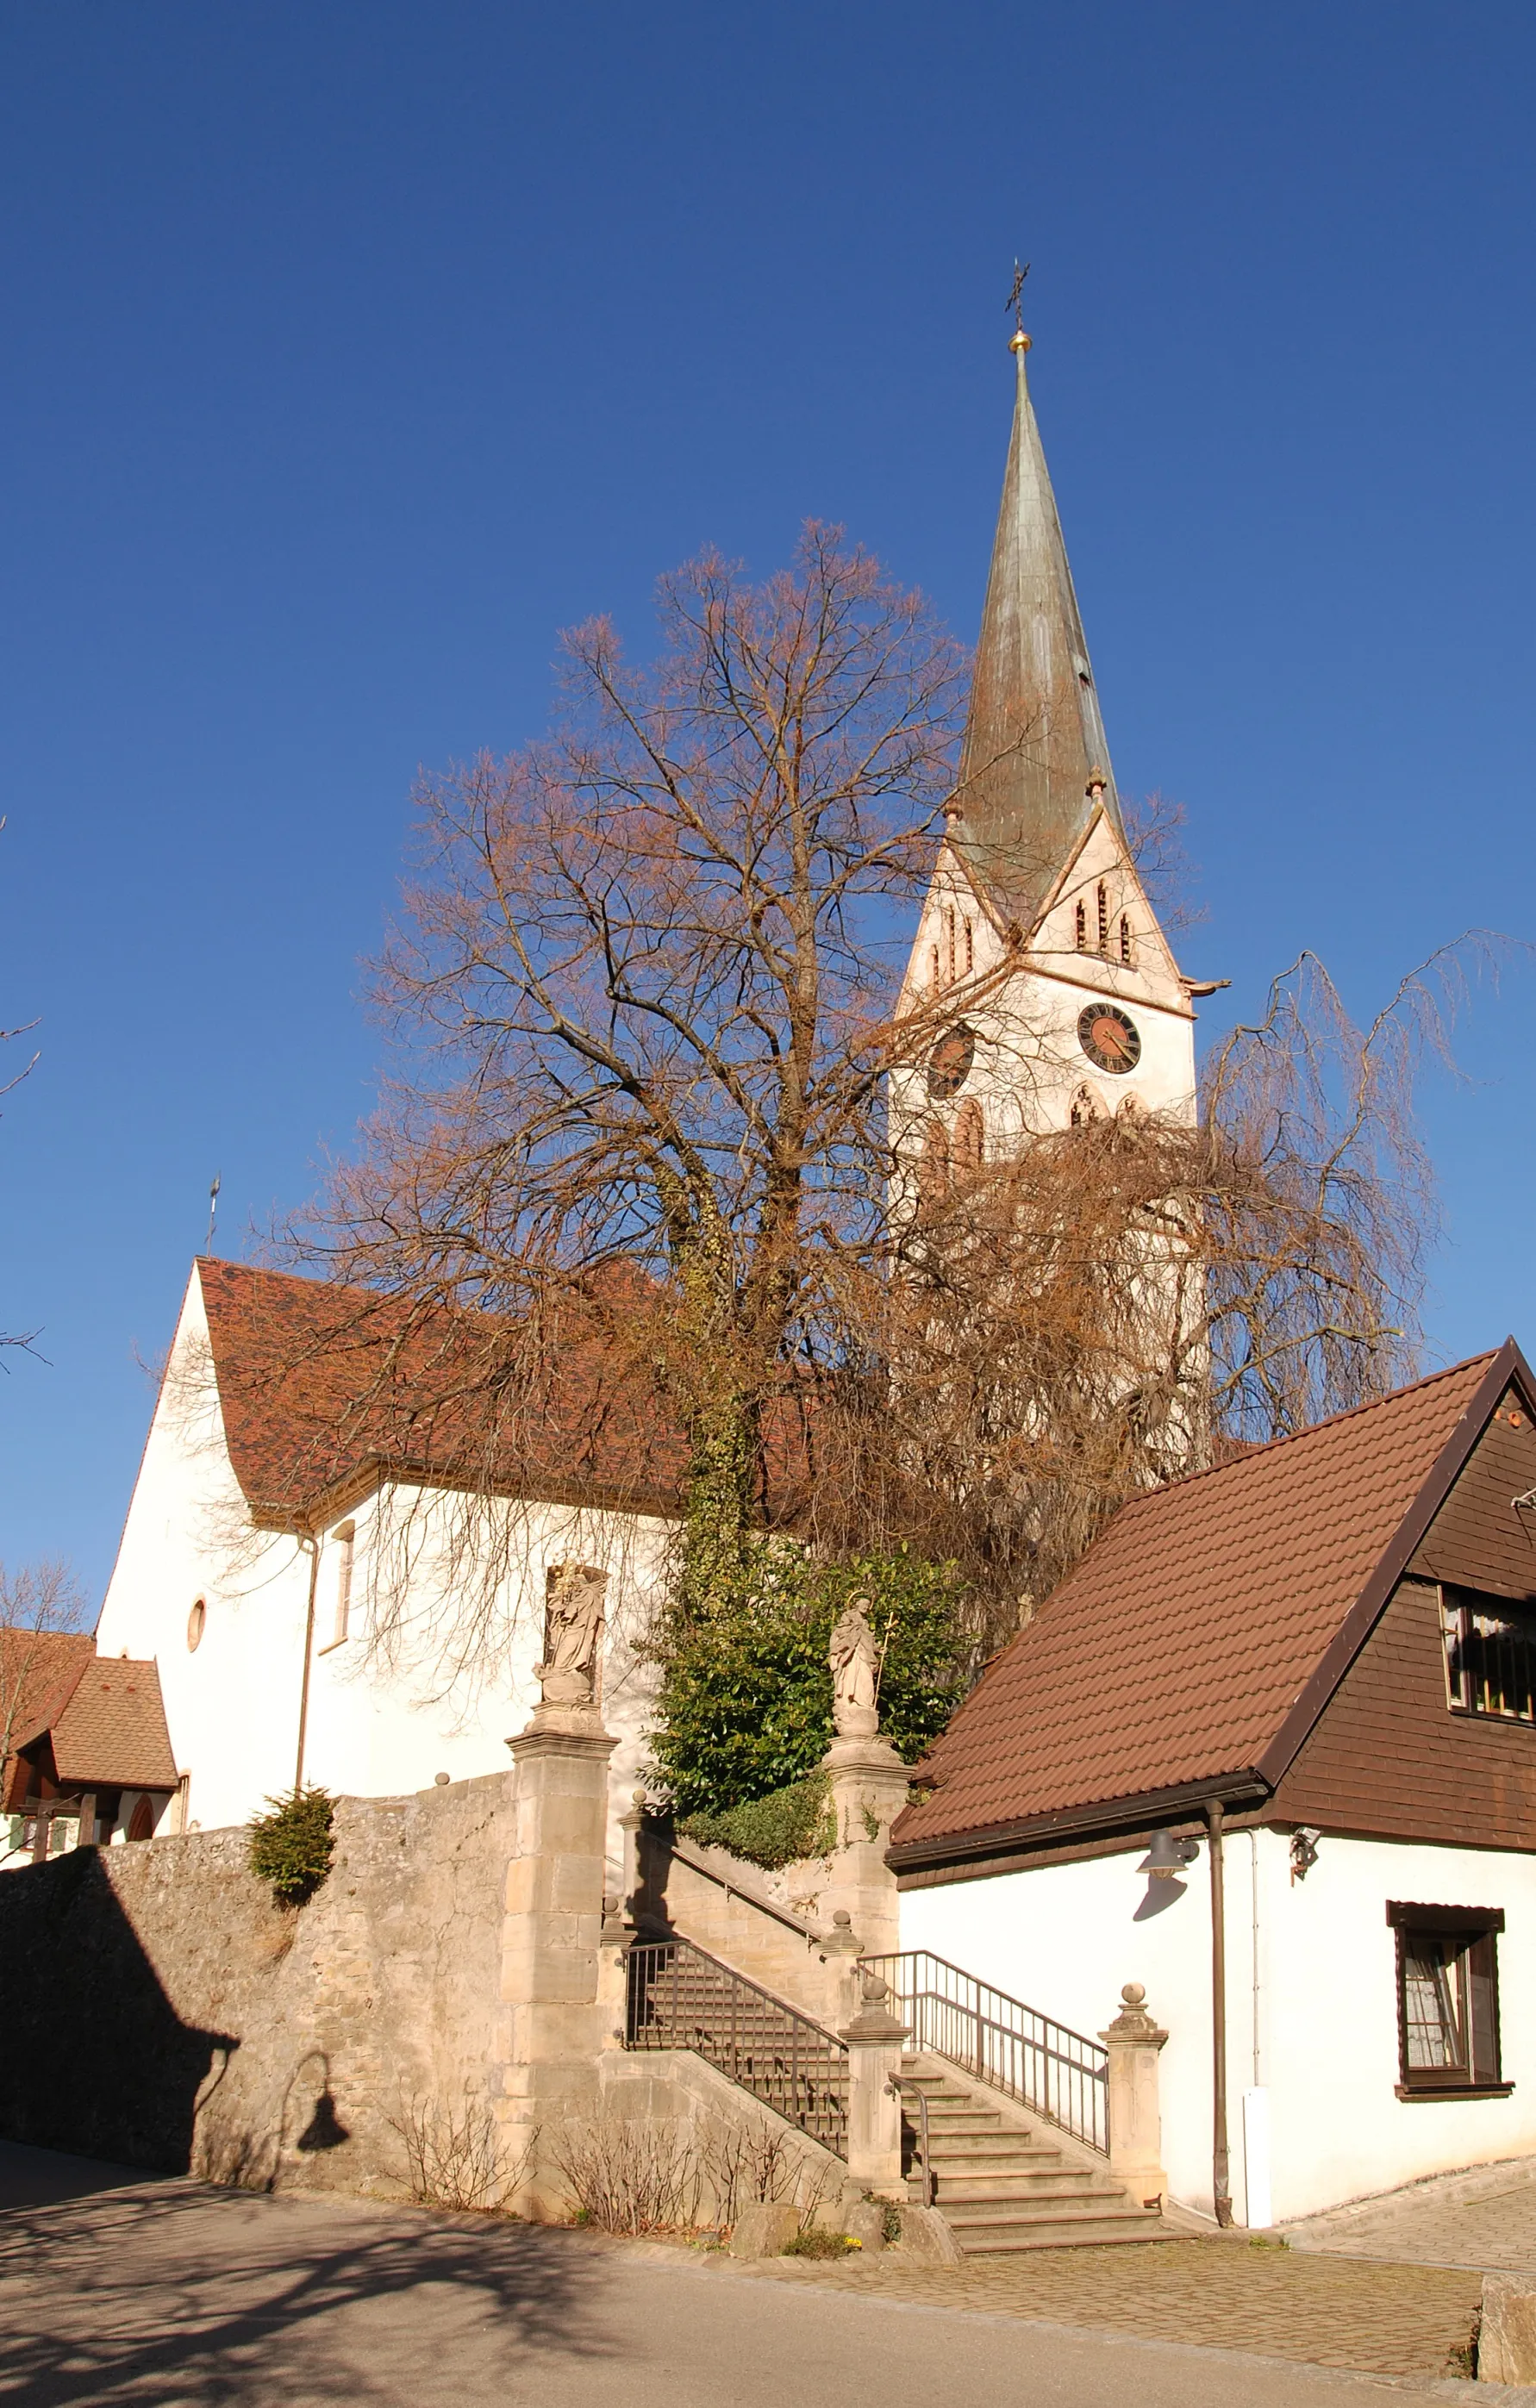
[{"x": 1035, "y": 764}]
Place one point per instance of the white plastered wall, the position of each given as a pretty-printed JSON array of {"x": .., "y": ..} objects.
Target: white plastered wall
[
  {"x": 1311, "y": 1978},
  {"x": 373, "y": 1728},
  {"x": 1029, "y": 1068}
]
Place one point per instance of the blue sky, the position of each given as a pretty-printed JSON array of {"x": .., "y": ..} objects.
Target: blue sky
[{"x": 353, "y": 351}]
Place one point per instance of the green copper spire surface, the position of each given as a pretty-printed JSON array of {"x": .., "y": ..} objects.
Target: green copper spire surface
[{"x": 1035, "y": 762}]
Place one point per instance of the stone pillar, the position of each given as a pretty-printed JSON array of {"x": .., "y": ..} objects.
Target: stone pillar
[
  {"x": 1136, "y": 2125},
  {"x": 874, "y": 2037},
  {"x": 868, "y": 1782},
  {"x": 558, "y": 2019}
]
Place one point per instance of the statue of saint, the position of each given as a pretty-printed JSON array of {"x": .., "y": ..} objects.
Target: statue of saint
[
  {"x": 853, "y": 1666},
  {"x": 573, "y": 1634}
]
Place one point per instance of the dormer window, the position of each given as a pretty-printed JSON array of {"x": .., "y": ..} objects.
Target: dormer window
[
  {"x": 1083, "y": 927},
  {"x": 1125, "y": 938},
  {"x": 1103, "y": 917}
]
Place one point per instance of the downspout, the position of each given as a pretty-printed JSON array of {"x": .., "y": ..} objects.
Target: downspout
[
  {"x": 1221, "y": 2168},
  {"x": 313, "y": 1546}
]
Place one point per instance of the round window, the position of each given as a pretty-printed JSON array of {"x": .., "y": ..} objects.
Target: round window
[
  {"x": 949, "y": 1064},
  {"x": 196, "y": 1620},
  {"x": 1110, "y": 1037}
]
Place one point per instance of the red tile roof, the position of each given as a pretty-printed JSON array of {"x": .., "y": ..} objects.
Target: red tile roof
[
  {"x": 1201, "y": 1634},
  {"x": 323, "y": 1386},
  {"x": 111, "y": 1733},
  {"x": 37, "y": 1671}
]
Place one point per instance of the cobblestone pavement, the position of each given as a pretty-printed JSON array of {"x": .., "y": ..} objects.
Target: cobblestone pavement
[
  {"x": 1487, "y": 2218},
  {"x": 1326, "y": 2311}
]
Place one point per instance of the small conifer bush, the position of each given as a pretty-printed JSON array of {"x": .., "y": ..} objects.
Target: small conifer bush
[{"x": 290, "y": 1846}]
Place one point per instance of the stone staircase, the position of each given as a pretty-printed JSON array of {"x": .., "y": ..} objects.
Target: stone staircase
[{"x": 1006, "y": 2181}]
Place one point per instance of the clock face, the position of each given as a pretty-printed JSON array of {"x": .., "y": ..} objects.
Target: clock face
[
  {"x": 949, "y": 1064},
  {"x": 1110, "y": 1037}
]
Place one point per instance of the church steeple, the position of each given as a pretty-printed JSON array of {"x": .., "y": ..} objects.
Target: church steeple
[{"x": 1034, "y": 743}]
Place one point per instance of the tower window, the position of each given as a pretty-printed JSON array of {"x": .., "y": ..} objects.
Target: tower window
[
  {"x": 969, "y": 1136},
  {"x": 971, "y": 948},
  {"x": 933, "y": 1169},
  {"x": 1083, "y": 927},
  {"x": 949, "y": 917},
  {"x": 1124, "y": 937},
  {"x": 1084, "y": 1108},
  {"x": 935, "y": 953},
  {"x": 1103, "y": 917}
]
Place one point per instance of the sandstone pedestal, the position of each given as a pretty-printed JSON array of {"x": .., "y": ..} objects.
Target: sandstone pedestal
[
  {"x": 874, "y": 2038},
  {"x": 868, "y": 1782},
  {"x": 1134, "y": 2041},
  {"x": 558, "y": 2019}
]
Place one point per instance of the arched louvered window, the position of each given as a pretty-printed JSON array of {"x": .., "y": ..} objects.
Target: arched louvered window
[
  {"x": 1103, "y": 917},
  {"x": 933, "y": 1168},
  {"x": 971, "y": 948},
  {"x": 1124, "y": 937},
  {"x": 1082, "y": 927},
  {"x": 969, "y": 1147}
]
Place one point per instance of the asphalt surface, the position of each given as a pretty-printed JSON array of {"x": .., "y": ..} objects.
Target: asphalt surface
[{"x": 115, "y": 2288}]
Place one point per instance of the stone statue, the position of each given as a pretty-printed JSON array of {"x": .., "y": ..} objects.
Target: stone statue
[
  {"x": 573, "y": 1634},
  {"x": 854, "y": 1665}
]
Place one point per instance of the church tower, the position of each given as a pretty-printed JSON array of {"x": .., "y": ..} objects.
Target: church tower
[{"x": 1038, "y": 950}]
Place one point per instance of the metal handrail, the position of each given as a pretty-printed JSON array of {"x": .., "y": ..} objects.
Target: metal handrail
[
  {"x": 1047, "y": 2067},
  {"x": 898, "y": 2084},
  {"x": 677, "y": 1996}
]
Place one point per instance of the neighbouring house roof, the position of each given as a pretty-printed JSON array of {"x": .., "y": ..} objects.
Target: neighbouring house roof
[
  {"x": 326, "y": 1387},
  {"x": 1197, "y": 1641},
  {"x": 101, "y": 1718},
  {"x": 111, "y": 1733},
  {"x": 37, "y": 1671}
]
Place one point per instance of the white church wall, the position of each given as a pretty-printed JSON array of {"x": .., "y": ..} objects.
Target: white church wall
[
  {"x": 1311, "y": 2001},
  {"x": 379, "y": 1722}
]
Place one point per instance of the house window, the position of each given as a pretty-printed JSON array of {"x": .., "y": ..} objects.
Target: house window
[
  {"x": 1447, "y": 1999},
  {"x": 1083, "y": 927},
  {"x": 1491, "y": 1654},
  {"x": 1103, "y": 917},
  {"x": 345, "y": 1540}
]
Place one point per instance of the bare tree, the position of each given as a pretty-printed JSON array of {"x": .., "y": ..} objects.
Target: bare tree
[{"x": 642, "y": 988}]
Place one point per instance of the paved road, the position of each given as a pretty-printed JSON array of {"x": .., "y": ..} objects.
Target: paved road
[{"x": 117, "y": 2289}]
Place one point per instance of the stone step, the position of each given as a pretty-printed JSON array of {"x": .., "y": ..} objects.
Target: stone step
[
  {"x": 983, "y": 2225},
  {"x": 1009, "y": 2240},
  {"x": 967, "y": 2146},
  {"x": 1078, "y": 2189}
]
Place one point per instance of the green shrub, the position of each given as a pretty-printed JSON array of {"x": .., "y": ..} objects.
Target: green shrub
[
  {"x": 291, "y": 1848},
  {"x": 777, "y": 1829},
  {"x": 745, "y": 1704},
  {"x": 812, "y": 2243}
]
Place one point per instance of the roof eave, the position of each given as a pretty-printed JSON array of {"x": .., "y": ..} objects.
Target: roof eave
[{"x": 1133, "y": 1813}]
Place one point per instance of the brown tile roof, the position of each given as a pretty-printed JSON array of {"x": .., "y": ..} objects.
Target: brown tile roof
[
  {"x": 1199, "y": 1639},
  {"x": 111, "y": 1733},
  {"x": 323, "y": 1386},
  {"x": 37, "y": 1671}
]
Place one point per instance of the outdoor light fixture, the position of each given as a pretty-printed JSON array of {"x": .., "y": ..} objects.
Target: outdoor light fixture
[
  {"x": 1303, "y": 1852},
  {"x": 1169, "y": 1856}
]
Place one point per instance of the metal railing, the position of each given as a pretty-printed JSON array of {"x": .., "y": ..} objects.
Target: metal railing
[
  {"x": 1044, "y": 2065},
  {"x": 678, "y": 1997}
]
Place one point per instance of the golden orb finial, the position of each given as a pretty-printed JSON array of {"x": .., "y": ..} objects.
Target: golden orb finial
[{"x": 1019, "y": 341}]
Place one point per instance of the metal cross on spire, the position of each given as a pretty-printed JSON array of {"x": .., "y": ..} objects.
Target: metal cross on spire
[{"x": 1015, "y": 298}]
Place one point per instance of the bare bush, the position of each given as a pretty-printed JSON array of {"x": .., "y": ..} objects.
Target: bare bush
[
  {"x": 633, "y": 2175},
  {"x": 454, "y": 2155}
]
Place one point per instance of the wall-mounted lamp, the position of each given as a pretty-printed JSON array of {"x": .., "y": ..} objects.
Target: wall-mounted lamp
[
  {"x": 1303, "y": 1852},
  {"x": 1168, "y": 1858}
]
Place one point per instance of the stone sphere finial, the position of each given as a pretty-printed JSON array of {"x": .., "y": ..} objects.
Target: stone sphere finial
[
  {"x": 1133, "y": 1993},
  {"x": 841, "y": 1915}
]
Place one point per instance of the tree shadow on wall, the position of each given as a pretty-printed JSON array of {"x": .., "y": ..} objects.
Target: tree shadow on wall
[
  {"x": 221, "y": 2299},
  {"x": 96, "y": 2060}
]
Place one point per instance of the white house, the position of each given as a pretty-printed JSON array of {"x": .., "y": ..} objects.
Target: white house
[
  {"x": 321, "y": 1609},
  {"x": 1312, "y": 1673}
]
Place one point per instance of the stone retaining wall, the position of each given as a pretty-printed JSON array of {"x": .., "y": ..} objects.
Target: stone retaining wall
[{"x": 162, "y": 2012}]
